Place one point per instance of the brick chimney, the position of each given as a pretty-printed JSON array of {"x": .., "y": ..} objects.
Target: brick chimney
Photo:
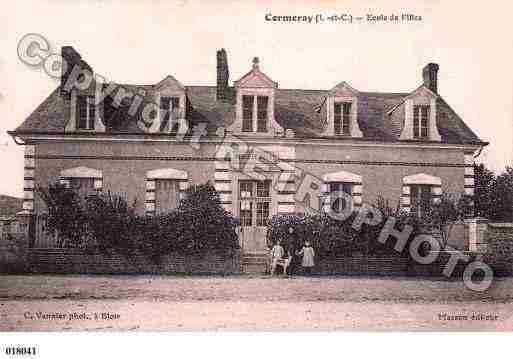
[
  {"x": 72, "y": 58},
  {"x": 222, "y": 75},
  {"x": 430, "y": 76}
]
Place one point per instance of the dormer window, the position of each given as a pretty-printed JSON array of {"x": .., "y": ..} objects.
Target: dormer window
[
  {"x": 342, "y": 118},
  {"x": 342, "y": 112},
  {"x": 254, "y": 112},
  {"x": 252, "y": 119},
  {"x": 247, "y": 113},
  {"x": 169, "y": 107},
  {"x": 262, "y": 104},
  {"x": 421, "y": 121},
  {"x": 86, "y": 113}
]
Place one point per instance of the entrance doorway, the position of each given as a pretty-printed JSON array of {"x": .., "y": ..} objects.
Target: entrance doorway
[{"x": 254, "y": 209}]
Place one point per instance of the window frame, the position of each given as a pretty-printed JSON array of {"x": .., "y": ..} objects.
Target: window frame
[
  {"x": 255, "y": 110},
  {"x": 87, "y": 117},
  {"x": 421, "y": 198},
  {"x": 172, "y": 102},
  {"x": 346, "y": 187},
  {"x": 247, "y": 112},
  {"x": 342, "y": 118},
  {"x": 167, "y": 182},
  {"x": 421, "y": 114},
  {"x": 262, "y": 121},
  {"x": 259, "y": 202}
]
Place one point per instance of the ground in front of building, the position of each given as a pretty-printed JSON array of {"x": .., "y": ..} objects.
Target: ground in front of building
[{"x": 42, "y": 303}]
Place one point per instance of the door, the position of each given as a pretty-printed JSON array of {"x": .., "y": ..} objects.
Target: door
[{"x": 254, "y": 208}]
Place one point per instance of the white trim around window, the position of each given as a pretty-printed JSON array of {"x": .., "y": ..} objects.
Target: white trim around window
[
  {"x": 180, "y": 176},
  {"x": 350, "y": 178},
  {"x": 420, "y": 179},
  {"x": 82, "y": 172}
]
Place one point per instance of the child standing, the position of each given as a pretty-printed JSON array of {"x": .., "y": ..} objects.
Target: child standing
[
  {"x": 277, "y": 253},
  {"x": 308, "y": 254}
]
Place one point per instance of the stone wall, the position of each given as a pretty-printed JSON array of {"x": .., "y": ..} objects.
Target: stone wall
[
  {"x": 69, "y": 261},
  {"x": 387, "y": 266},
  {"x": 72, "y": 261},
  {"x": 13, "y": 254}
]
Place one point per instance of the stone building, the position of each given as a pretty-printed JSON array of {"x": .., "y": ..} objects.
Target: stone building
[{"x": 254, "y": 140}]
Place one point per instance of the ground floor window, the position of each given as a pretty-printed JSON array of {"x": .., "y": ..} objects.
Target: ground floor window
[
  {"x": 166, "y": 195},
  {"x": 337, "y": 202},
  {"x": 254, "y": 202},
  {"x": 421, "y": 198},
  {"x": 83, "y": 186}
]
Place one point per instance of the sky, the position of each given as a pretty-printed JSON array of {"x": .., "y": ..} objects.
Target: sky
[{"x": 141, "y": 42}]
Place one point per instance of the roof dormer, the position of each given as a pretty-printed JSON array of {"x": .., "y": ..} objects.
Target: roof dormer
[
  {"x": 169, "y": 95},
  {"x": 342, "y": 112},
  {"x": 255, "y": 94},
  {"x": 420, "y": 116},
  {"x": 420, "y": 112}
]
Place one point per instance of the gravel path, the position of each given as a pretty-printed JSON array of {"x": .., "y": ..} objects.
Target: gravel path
[{"x": 249, "y": 303}]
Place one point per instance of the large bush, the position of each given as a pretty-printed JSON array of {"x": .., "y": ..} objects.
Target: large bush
[
  {"x": 335, "y": 238},
  {"x": 499, "y": 252},
  {"x": 199, "y": 225},
  {"x": 329, "y": 237},
  {"x": 110, "y": 221},
  {"x": 66, "y": 214}
]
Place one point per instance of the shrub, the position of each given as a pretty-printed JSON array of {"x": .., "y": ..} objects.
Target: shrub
[
  {"x": 337, "y": 238},
  {"x": 499, "y": 246},
  {"x": 199, "y": 225},
  {"x": 499, "y": 252},
  {"x": 203, "y": 225},
  {"x": 110, "y": 220},
  {"x": 329, "y": 237},
  {"x": 66, "y": 214}
]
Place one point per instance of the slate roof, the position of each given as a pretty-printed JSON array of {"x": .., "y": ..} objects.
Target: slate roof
[{"x": 295, "y": 109}]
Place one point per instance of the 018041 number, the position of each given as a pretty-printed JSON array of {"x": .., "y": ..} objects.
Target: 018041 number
[{"x": 20, "y": 350}]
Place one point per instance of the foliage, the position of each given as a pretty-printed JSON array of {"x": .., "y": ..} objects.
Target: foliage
[
  {"x": 501, "y": 193},
  {"x": 499, "y": 247},
  {"x": 494, "y": 194},
  {"x": 199, "y": 225},
  {"x": 66, "y": 214},
  {"x": 110, "y": 221},
  {"x": 450, "y": 209},
  {"x": 203, "y": 225},
  {"x": 483, "y": 180},
  {"x": 331, "y": 237}
]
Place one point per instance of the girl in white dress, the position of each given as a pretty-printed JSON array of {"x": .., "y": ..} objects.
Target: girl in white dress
[{"x": 308, "y": 254}]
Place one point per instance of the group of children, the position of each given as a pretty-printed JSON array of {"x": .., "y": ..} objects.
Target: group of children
[{"x": 278, "y": 258}]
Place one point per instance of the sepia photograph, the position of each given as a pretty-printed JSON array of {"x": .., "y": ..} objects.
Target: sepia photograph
[{"x": 255, "y": 166}]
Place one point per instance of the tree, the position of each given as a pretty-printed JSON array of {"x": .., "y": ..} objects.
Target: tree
[
  {"x": 446, "y": 212},
  {"x": 111, "y": 222},
  {"x": 483, "y": 181},
  {"x": 204, "y": 226},
  {"x": 66, "y": 215},
  {"x": 501, "y": 197}
]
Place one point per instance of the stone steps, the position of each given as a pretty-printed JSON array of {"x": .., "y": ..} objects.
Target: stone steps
[{"x": 254, "y": 262}]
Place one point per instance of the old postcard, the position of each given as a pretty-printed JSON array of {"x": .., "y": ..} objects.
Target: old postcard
[{"x": 255, "y": 166}]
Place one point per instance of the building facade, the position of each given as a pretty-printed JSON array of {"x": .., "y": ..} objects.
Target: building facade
[{"x": 267, "y": 150}]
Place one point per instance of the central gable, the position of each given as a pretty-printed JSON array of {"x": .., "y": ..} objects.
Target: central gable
[
  {"x": 255, "y": 78},
  {"x": 343, "y": 89},
  {"x": 169, "y": 83},
  {"x": 254, "y": 107}
]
